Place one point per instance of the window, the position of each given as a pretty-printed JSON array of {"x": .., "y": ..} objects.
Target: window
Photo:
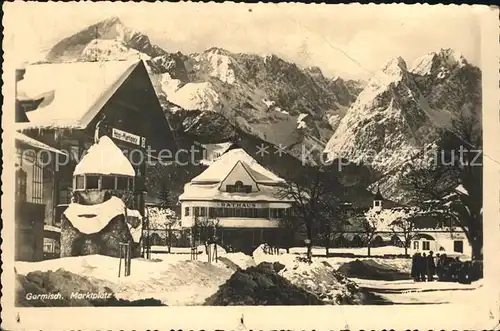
[
  {"x": 203, "y": 211},
  {"x": 51, "y": 246},
  {"x": 121, "y": 183},
  {"x": 426, "y": 245},
  {"x": 238, "y": 187},
  {"x": 80, "y": 182},
  {"x": 92, "y": 182},
  {"x": 37, "y": 184},
  {"x": 131, "y": 184},
  {"x": 196, "y": 211},
  {"x": 21, "y": 192},
  {"x": 377, "y": 203},
  {"x": 458, "y": 246},
  {"x": 276, "y": 212},
  {"x": 108, "y": 182},
  {"x": 416, "y": 245},
  {"x": 186, "y": 211}
]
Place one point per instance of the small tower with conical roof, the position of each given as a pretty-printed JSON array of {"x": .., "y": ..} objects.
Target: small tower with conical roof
[
  {"x": 101, "y": 214},
  {"x": 103, "y": 172}
]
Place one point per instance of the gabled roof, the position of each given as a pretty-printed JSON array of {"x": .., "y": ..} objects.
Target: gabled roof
[
  {"x": 221, "y": 168},
  {"x": 105, "y": 158},
  {"x": 73, "y": 93}
]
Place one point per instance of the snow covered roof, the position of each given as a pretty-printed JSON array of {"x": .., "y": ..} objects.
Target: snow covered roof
[
  {"x": 90, "y": 219},
  {"x": 105, "y": 158},
  {"x": 219, "y": 170},
  {"x": 461, "y": 189},
  {"x": 35, "y": 143},
  {"x": 73, "y": 93}
]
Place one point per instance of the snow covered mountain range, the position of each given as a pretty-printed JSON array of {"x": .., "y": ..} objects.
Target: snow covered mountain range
[
  {"x": 264, "y": 96},
  {"x": 400, "y": 111},
  {"x": 405, "y": 110}
]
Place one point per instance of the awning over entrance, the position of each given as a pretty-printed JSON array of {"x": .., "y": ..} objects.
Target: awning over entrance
[{"x": 237, "y": 222}]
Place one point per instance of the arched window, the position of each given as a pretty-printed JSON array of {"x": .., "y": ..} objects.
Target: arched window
[
  {"x": 377, "y": 241},
  {"x": 356, "y": 241}
]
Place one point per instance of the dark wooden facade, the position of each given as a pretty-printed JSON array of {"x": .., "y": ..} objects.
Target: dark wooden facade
[{"x": 134, "y": 108}]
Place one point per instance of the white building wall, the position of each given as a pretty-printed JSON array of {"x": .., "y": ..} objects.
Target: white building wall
[{"x": 444, "y": 242}]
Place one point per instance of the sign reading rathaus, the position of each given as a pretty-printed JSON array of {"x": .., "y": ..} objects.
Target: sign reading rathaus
[{"x": 237, "y": 205}]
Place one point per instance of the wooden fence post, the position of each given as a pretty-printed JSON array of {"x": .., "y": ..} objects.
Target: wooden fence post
[
  {"x": 120, "y": 263},
  {"x": 129, "y": 256}
]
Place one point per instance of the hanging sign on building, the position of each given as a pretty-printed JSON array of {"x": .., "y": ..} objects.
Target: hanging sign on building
[{"x": 126, "y": 136}]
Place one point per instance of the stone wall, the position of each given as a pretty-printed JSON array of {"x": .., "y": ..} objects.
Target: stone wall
[{"x": 104, "y": 242}]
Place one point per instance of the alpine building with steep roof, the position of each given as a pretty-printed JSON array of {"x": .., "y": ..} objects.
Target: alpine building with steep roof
[{"x": 243, "y": 198}]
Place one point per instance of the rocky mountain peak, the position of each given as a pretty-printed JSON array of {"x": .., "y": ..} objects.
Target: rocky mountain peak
[
  {"x": 315, "y": 71},
  {"x": 111, "y": 21},
  {"x": 395, "y": 67},
  {"x": 218, "y": 51},
  {"x": 438, "y": 63},
  {"x": 109, "y": 29}
]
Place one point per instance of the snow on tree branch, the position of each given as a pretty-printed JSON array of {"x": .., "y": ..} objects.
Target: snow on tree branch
[{"x": 161, "y": 218}]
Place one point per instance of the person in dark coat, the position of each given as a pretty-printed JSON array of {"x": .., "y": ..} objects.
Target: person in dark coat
[
  {"x": 422, "y": 267},
  {"x": 430, "y": 267},
  {"x": 464, "y": 273},
  {"x": 456, "y": 266},
  {"x": 440, "y": 267},
  {"x": 414, "y": 267},
  {"x": 447, "y": 261}
]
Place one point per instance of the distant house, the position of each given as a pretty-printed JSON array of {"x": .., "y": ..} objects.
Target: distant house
[
  {"x": 214, "y": 151},
  {"x": 65, "y": 104},
  {"x": 431, "y": 233},
  {"x": 36, "y": 235},
  {"x": 434, "y": 235}
]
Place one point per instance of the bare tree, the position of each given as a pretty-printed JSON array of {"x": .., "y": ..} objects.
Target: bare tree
[
  {"x": 205, "y": 232},
  {"x": 402, "y": 223},
  {"x": 163, "y": 219},
  {"x": 289, "y": 225},
  {"x": 315, "y": 198},
  {"x": 371, "y": 223}
]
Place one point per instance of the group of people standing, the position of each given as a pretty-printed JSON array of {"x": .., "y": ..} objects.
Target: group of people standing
[{"x": 426, "y": 267}]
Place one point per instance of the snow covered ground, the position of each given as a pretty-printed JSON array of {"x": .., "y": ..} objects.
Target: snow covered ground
[
  {"x": 171, "y": 278},
  {"x": 410, "y": 292},
  {"x": 397, "y": 292},
  {"x": 176, "y": 280}
]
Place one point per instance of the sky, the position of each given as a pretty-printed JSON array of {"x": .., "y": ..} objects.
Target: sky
[{"x": 350, "y": 41}]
